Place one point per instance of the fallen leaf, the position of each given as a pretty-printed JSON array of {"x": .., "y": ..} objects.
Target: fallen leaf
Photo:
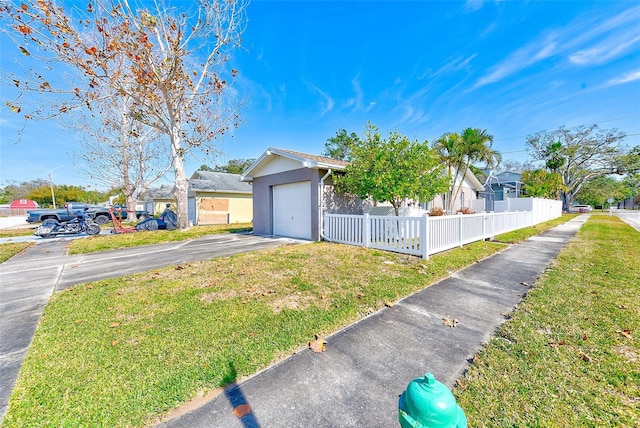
[
  {"x": 625, "y": 333},
  {"x": 242, "y": 410},
  {"x": 587, "y": 358},
  {"x": 622, "y": 307},
  {"x": 450, "y": 322},
  {"x": 584, "y": 336},
  {"x": 179, "y": 267},
  {"x": 318, "y": 345},
  {"x": 526, "y": 284},
  {"x": 78, "y": 321},
  {"x": 115, "y": 342},
  {"x": 114, "y": 325},
  {"x": 388, "y": 304}
]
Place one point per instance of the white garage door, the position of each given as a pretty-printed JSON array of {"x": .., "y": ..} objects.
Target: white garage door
[{"x": 292, "y": 210}]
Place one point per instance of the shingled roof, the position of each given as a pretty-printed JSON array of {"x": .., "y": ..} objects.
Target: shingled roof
[{"x": 207, "y": 181}]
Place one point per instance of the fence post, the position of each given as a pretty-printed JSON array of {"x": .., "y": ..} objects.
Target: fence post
[
  {"x": 484, "y": 226},
  {"x": 366, "y": 227},
  {"x": 460, "y": 229},
  {"x": 424, "y": 236}
]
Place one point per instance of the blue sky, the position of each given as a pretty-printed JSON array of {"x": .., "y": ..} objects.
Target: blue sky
[{"x": 422, "y": 68}]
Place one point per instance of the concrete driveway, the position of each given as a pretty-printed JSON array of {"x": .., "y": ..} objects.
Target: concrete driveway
[{"x": 29, "y": 279}]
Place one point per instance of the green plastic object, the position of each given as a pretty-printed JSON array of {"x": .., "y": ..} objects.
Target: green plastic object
[{"x": 427, "y": 403}]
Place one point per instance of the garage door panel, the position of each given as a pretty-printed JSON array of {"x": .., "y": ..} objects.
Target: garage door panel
[{"x": 292, "y": 210}]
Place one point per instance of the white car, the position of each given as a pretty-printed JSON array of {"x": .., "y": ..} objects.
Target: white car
[{"x": 580, "y": 208}]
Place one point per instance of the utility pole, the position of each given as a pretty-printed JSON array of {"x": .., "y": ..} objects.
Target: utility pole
[{"x": 53, "y": 196}]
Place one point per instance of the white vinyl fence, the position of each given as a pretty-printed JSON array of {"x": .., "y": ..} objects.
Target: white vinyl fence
[{"x": 425, "y": 235}]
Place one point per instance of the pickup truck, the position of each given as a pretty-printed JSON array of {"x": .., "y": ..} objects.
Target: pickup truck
[{"x": 70, "y": 211}]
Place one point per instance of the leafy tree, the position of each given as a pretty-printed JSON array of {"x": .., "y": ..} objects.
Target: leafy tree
[
  {"x": 340, "y": 146},
  {"x": 598, "y": 190},
  {"x": 21, "y": 190},
  {"x": 205, "y": 167},
  {"x": 580, "y": 154},
  {"x": 458, "y": 152},
  {"x": 64, "y": 193},
  {"x": 234, "y": 166},
  {"x": 171, "y": 64},
  {"x": 632, "y": 190},
  {"x": 392, "y": 169},
  {"x": 541, "y": 183}
]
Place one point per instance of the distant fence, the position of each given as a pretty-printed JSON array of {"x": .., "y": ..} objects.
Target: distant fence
[
  {"x": 13, "y": 212},
  {"x": 426, "y": 235}
]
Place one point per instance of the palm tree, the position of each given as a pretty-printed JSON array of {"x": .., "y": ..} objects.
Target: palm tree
[{"x": 459, "y": 151}]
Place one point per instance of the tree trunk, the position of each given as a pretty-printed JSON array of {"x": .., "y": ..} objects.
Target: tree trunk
[{"x": 181, "y": 182}]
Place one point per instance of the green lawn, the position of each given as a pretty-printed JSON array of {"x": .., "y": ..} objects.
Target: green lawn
[
  {"x": 570, "y": 355},
  {"x": 124, "y": 351},
  {"x": 10, "y": 249}
]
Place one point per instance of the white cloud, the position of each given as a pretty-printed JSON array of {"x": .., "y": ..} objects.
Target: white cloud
[
  {"x": 605, "y": 51},
  {"x": 520, "y": 59},
  {"x": 356, "y": 101},
  {"x": 328, "y": 101},
  {"x": 625, "y": 78},
  {"x": 473, "y": 5},
  {"x": 614, "y": 37}
]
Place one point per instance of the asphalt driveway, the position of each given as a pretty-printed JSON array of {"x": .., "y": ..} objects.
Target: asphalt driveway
[{"x": 30, "y": 278}]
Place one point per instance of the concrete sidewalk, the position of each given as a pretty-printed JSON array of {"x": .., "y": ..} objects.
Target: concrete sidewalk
[{"x": 357, "y": 381}]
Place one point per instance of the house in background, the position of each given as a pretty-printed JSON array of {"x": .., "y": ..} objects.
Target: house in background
[
  {"x": 466, "y": 197},
  {"x": 219, "y": 198},
  {"x": 287, "y": 190},
  {"x": 293, "y": 190},
  {"x": 500, "y": 187},
  {"x": 213, "y": 198},
  {"x": 155, "y": 200}
]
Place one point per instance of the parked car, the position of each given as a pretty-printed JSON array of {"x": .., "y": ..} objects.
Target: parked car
[{"x": 580, "y": 208}]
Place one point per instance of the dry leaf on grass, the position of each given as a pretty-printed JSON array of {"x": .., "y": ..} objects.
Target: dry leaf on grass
[
  {"x": 587, "y": 358},
  {"x": 450, "y": 322},
  {"x": 114, "y": 325},
  {"x": 625, "y": 333},
  {"x": 318, "y": 345},
  {"x": 242, "y": 410}
]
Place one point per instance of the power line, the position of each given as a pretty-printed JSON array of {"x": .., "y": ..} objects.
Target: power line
[{"x": 597, "y": 123}]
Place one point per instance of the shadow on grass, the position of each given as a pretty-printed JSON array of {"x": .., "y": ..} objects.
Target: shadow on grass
[{"x": 238, "y": 401}]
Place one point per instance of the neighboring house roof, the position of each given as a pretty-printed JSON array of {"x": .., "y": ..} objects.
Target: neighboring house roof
[
  {"x": 162, "y": 192},
  {"x": 306, "y": 160},
  {"x": 473, "y": 180},
  {"x": 207, "y": 181},
  {"x": 507, "y": 177}
]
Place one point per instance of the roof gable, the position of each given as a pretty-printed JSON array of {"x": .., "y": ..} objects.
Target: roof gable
[{"x": 278, "y": 160}]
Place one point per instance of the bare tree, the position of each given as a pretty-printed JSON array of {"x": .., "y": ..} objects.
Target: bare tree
[
  {"x": 171, "y": 64},
  {"x": 119, "y": 151}
]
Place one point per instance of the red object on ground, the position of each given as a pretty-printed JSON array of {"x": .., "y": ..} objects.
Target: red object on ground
[{"x": 116, "y": 217}]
